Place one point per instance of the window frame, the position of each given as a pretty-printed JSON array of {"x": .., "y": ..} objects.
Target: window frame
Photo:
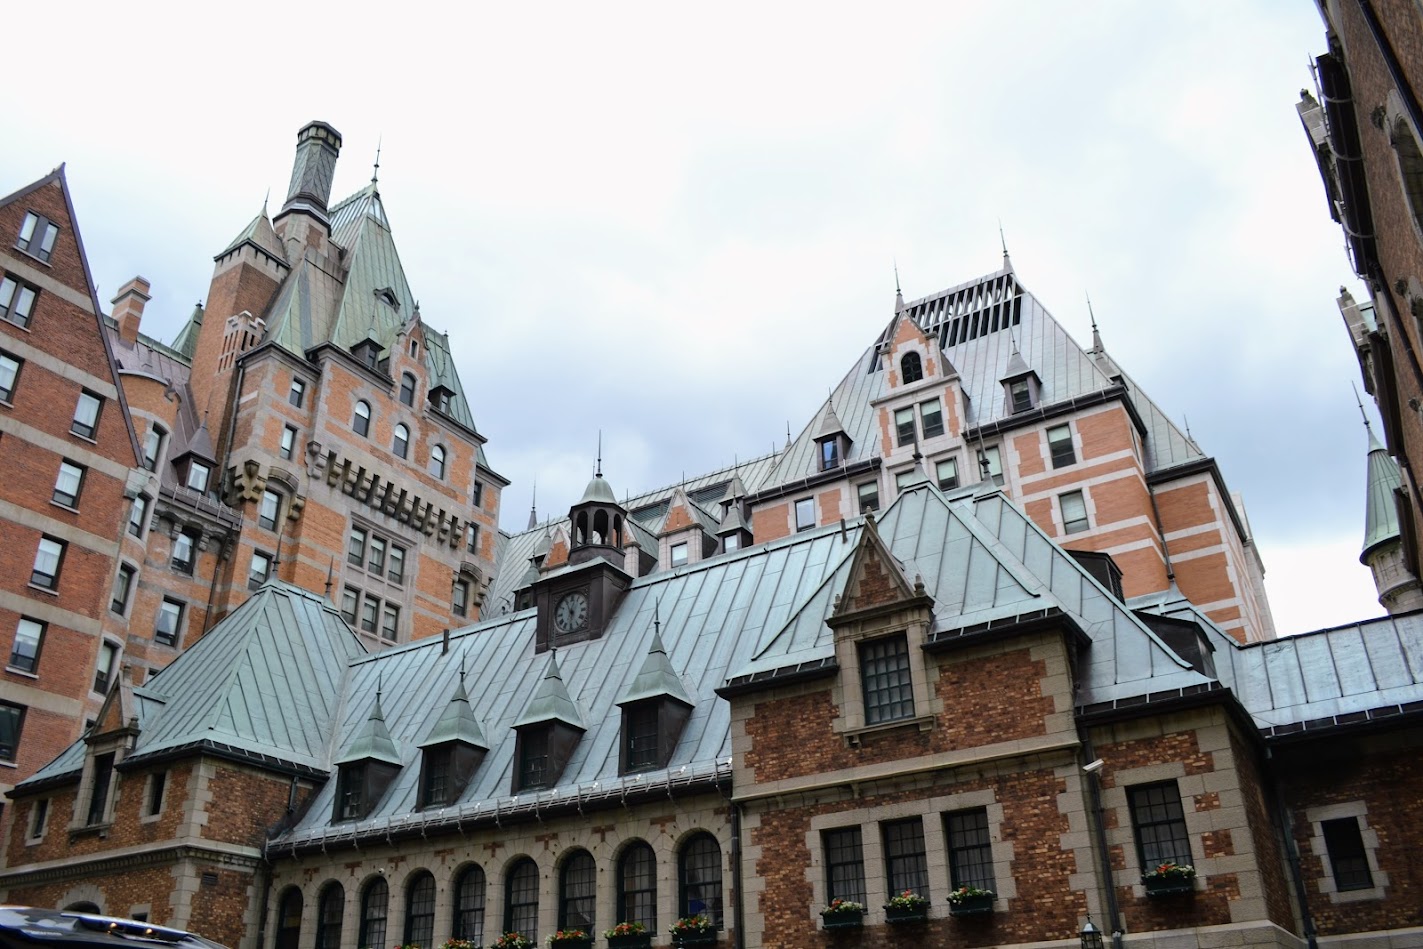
[
  {"x": 328, "y": 924},
  {"x": 802, "y": 508},
  {"x": 188, "y": 565},
  {"x": 287, "y": 448},
  {"x": 361, "y": 420},
  {"x": 888, "y": 708},
  {"x": 951, "y": 483},
  {"x": 253, "y": 581},
  {"x": 296, "y": 394},
  {"x": 576, "y": 893},
  {"x": 375, "y": 918},
  {"x": 969, "y": 863},
  {"x": 438, "y": 462},
  {"x": 173, "y": 636},
  {"x": 420, "y": 893},
  {"x": 106, "y": 665},
  {"x": 122, "y": 591},
  {"x": 1180, "y": 839},
  {"x": 400, "y": 441},
  {"x": 10, "y": 309},
  {"x": 67, "y": 498},
  {"x": 266, "y": 520},
  {"x": 636, "y": 884},
  {"x": 843, "y": 851},
  {"x": 1348, "y": 826},
  {"x": 908, "y": 369},
  {"x": 994, "y": 455},
  {"x": 829, "y": 453},
  {"x": 459, "y": 598},
  {"x": 101, "y": 781},
  {"x": 465, "y": 886},
  {"x": 867, "y": 496},
  {"x": 138, "y": 516},
  {"x": 407, "y": 389},
  {"x": 48, "y": 581},
  {"x": 14, "y": 365},
  {"x": 906, "y": 426},
  {"x": 515, "y": 887},
  {"x": 1020, "y": 396},
  {"x": 34, "y": 223},
  {"x": 87, "y": 430},
  {"x": 1062, "y": 453},
  {"x": 153, "y": 443},
  {"x": 17, "y": 714},
  {"x": 685, "y": 885},
  {"x": 27, "y": 634},
  {"x": 677, "y": 554},
  {"x": 1075, "y": 524},
  {"x": 907, "y": 869},
  {"x": 198, "y": 467},
  {"x": 937, "y": 428}
]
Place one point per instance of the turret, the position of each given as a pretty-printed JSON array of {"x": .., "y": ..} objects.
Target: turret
[{"x": 1398, "y": 588}]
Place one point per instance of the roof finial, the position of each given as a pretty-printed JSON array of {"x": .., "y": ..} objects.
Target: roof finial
[
  {"x": 534, "y": 506},
  {"x": 788, "y": 433},
  {"x": 896, "y": 278},
  {"x": 461, "y": 670},
  {"x": 657, "y": 616},
  {"x": 1187, "y": 423},
  {"x": 1360, "y": 402},
  {"x": 378, "y": 686},
  {"x": 375, "y": 172},
  {"x": 265, "y": 198},
  {"x": 330, "y": 572},
  {"x": 598, "y": 472},
  {"x": 1096, "y": 336}
]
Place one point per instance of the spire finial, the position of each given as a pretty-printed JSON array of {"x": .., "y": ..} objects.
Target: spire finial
[
  {"x": 1002, "y": 240},
  {"x": 1360, "y": 403},
  {"x": 461, "y": 670},
  {"x": 330, "y": 573},
  {"x": 788, "y": 433},
  {"x": 897, "y": 291},
  {"x": 657, "y": 616},
  {"x": 1187, "y": 423},
  {"x": 375, "y": 172},
  {"x": 598, "y": 472},
  {"x": 378, "y": 686},
  {"x": 1096, "y": 336},
  {"x": 265, "y": 198},
  {"x": 534, "y": 506}
]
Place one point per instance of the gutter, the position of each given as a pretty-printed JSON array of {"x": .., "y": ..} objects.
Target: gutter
[{"x": 1282, "y": 823}]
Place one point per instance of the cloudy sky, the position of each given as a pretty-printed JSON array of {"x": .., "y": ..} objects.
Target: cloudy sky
[{"x": 680, "y": 227}]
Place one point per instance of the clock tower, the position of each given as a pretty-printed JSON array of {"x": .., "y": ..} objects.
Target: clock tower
[{"x": 576, "y": 600}]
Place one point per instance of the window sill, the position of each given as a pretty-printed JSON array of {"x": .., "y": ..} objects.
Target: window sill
[
  {"x": 64, "y": 507},
  {"x": 49, "y": 590},
  {"x": 33, "y": 841},
  {"x": 151, "y": 818},
  {"x": 39, "y": 260},
  {"x": 8, "y": 764},
  {"x": 84, "y": 438},
  {"x": 13, "y": 670},
  {"x": 92, "y": 830},
  {"x": 853, "y": 736}
]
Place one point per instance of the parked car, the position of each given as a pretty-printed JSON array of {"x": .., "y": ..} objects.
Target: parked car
[{"x": 25, "y": 927}]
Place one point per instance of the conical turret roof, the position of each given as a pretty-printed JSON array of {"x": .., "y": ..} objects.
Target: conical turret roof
[
  {"x": 657, "y": 679},
  {"x": 551, "y": 701},
  {"x": 373, "y": 741},
  {"x": 457, "y": 723},
  {"x": 599, "y": 491},
  {"x": 1380, "y": 511}
]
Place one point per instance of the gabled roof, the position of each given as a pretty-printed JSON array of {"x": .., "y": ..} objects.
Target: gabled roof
[
  {"x": 656, "y": 679},
  {"x": 551, "y": 701},
  {"x": 373, "y": 742},
  {"x": 260, "y": 234},
  {"x": 457, "y": 723}
]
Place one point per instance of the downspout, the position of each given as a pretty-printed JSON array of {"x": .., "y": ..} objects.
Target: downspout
[
  {"x": 1282, "y": 825},
  {"x": 264, "y": 872},
  {"x": 737, "y": 889},
  {"x": 1099, "y": 827}
]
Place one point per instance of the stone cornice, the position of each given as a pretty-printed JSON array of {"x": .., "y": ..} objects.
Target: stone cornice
[{"x": 128, "y": 859}]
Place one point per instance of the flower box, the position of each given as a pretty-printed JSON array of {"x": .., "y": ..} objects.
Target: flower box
[
  {"x": 1169, "y": 885},
  {"x": 906, "y": 914},
  {"x": 630, "y": 941},
  {"x": 695, "y": 937},
  {"x": 845, "y": 919},
  {"x": 972, "y": 905},
  {"x": 572, "y": 942}
]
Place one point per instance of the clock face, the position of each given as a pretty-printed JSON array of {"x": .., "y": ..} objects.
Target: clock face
[{"x": 571, "y": 614}]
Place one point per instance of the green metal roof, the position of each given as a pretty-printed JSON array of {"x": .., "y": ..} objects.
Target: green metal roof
[
  {"x": 457, "y": 723},
  {"x": 656, "y": 679},
  {"x": 551, "y": 701},
  {"x": 1381, "y": 511},
  {"x": 373, "y": 742}
]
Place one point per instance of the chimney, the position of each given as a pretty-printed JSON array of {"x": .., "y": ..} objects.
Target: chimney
[
  {"x": 128, "y": 308},
  {"x": 317, "y": 147}
]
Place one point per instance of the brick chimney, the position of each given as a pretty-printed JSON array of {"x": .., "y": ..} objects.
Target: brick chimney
[
  {"x": 128, "y": 308},
  {"x": 317, "y": 147}
]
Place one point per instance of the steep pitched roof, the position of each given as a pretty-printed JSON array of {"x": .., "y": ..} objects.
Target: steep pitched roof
[{"x": 260, "y": 234}]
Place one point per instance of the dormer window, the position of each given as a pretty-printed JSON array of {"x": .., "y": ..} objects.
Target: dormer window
[
  {"x": 387, "y": 296},
  {"x": 533, "y": 759},
  {"x": 439, "y": 397},
  {"x": 650, "y": 731},
  {"x": 198, "y": 475},
  {"x": 1020, "y": 396},
  {"x": 829, "y": 454},
  {"x": 911, "y": 368},
  {"x": 351, "y": 798},
  {"x": 367, "y": 770}
]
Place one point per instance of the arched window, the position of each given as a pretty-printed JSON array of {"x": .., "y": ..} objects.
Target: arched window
[
  {"x": 580, "y": 529},
  {"x": 637, "y": 886},
  {"x": 577, "y": 882},
  {"x": 362, "y": 422},
  {"x": 521, "y": 900},
  {"x": 469, "y": 906},
  {"x": 420, "y": 910},
  {"x": 600, "y": 527},
  {"x": 289, "y": 919},
  {"x": 153, "y": 446},
  {"x": 910, "y": 368},
  {"x": 407, "y": 388},
  {"x": 414, "y": 348},
  {"x": 437, "y": 461},
  {"x": 699, "y": 877},
  {"x": 374, "y": 905},
  {"x": 330, "y": 907},
  {"x": 401, "y": 445}
]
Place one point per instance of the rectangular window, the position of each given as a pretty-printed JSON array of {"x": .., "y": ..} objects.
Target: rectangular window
[
  {"x": 995, "y": 464},
  {"x": 905, "y": 864},
  {"x": 1347, "y": 856},
  {"x": 270, "y": 510},
  {"x": 356, "y": 548},
  {"x": 844, "y": 864},
  {"x": 904, "y": 426},
  {"x": 68, "y": 484},
  {"x": 931, "y": 416},
  {"x": 198, "y": 474},
  {"x": 152, "y": 447},
  {"x": 1020, "y": 396},
  {"x": 869, "y": 496},
  {"x": 104, "y": 667},
  {"x": 730, "y": 542},
  {"x": 1159, "y": 825},
  {"x": 288, "y": 442},
  {"x": 99, "y": 793},
  {"x": 17, "y": 300},
  {"x": 1059, "y": 443},
  {"x": 48, "y": 559},
  {"x": 946, "y": 472},
  {"x": 86, "y": 414},
  {"x": 9, "y": 376},
  {"x": 533, "y": 758},
  {"x": 829, "y": 454},
  {"x": 157, "y": 784},
  {"x": 1074, "y": 512},
  {"x": 460, "y": 606},
  {"x": 641, "y": 736},
  {"x": 390, "y": 622},
  {"x": 37, "y": 236},
  {"x": 123, "y": 588},
  {"x": 169, "y": 622},
  {"x": 472, "y": 545},
  {"x": 259, "y": 571},
  {"x": 39, "y": 818},
  {"x": 805, "y": 514},
  {"x": 435, "y": 788},
  {"x": 12, "y": 722},
  {"x": 376, "y": 551},
  {"x": 396, "y": 562},
  {"x": 478, "y": 499},
  {"x": 351, "y": 793},
  {"x": 370, "y": 610},
  {"x": 297, "y": 395},
  {"x": 970, "y": 849},
  {"x": 25, "y": 652},
  {"x": 679, "y": 554},
  {"x": 138, "y": 516},
  {"x": 350, "y": 599},
  {"x": 884, "y": 673},
  {"x": 185, "y": 549}
]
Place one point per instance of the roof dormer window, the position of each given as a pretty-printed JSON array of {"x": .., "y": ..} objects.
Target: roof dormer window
[
  {"x": 1020, "y": 396},
  {"x": 829, "y": 454}
]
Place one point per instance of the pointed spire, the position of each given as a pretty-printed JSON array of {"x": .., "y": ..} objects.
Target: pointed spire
[
  {"x": 373, "y": 741},
  {"x": 898, "y": 294},
  {"x": 788, "y": 434},
  {"x": 1096, "y": 336},
  {"x": 1007, "y": 263},
  {"x": 599, "y": 470},
  {"x": 551, "y": 701},
  {"x": 534, "y": 506},
  {"x": 457, "y": 722},
  {"x": 657, "y": 679},
  {"x": 375, "y": 172}
]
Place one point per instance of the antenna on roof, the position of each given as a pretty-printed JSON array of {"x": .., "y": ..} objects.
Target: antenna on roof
[
  {"x": 375, "y": 172},
  {"x": 330, "y": 571}
]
